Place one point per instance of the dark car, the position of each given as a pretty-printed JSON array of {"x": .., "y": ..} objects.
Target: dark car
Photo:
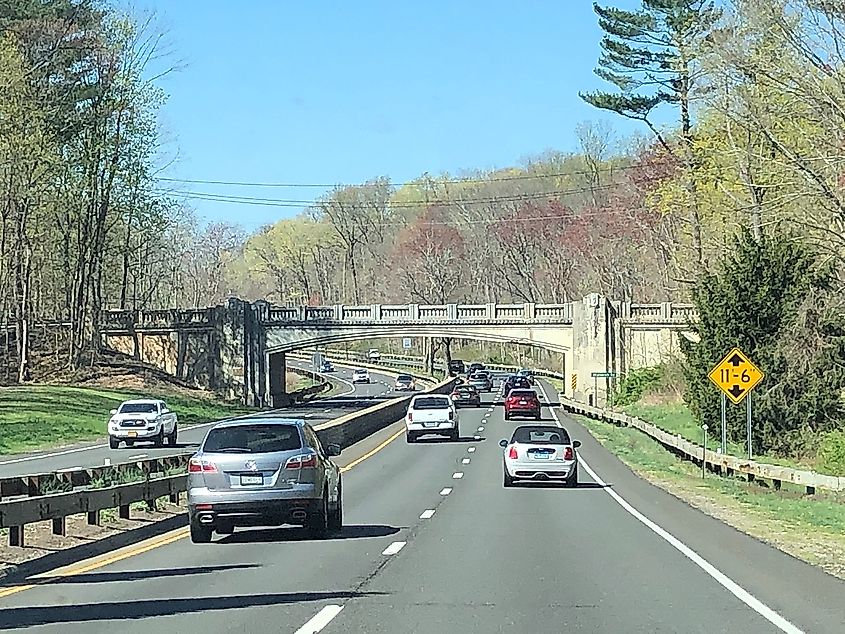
[
  {"x": 528, "y": 374},
  {"x": 326, "y": 366},
  {"x": 515, "y": 382},
  {"x": 521, "y": 402},
  {"x": 456, "y": 367},
  {"x": 475, "y": 367},
  {"x": 466, "y": 396}
]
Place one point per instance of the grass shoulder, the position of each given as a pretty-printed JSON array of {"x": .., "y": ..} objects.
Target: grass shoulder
[
  {"x": 810, "y": 528},
  {"x": 37, "y": 417}
]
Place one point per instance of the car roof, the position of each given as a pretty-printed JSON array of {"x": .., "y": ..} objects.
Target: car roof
[
  {"x": 552, "y": 428},
  {"x": 142, "y": 401},
  {"x": 269, "y": 419}
]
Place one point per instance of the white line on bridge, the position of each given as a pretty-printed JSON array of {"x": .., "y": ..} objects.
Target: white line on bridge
[
  {"x": 446, "y": 491},
  {"x": 427, "y": 514},
  {"x": 320, "y": 620},
  {"x": 394, "y": 548}
]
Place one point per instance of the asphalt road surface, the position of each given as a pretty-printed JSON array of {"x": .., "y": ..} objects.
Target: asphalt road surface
[
  {"x": 434, "y": 544},
  {"x": 95, "y": 454}
]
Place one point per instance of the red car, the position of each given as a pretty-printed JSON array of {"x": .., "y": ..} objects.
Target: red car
[{"x": 522, "y": 402}]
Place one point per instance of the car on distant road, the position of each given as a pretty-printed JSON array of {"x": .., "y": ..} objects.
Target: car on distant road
[
  {"x": 405, "y": 383},
  {"x": 540, "y": 452},
  {"x": 481, "y": 381},
  {"x": 373, "y": 354},
  {"x": 521, "y": 402},
  {"x": 263, "y": 472},
  {"x": 528, "y": 374},
  {"x": 143, "y": 420},
  {"x": 475, "y": 367},
  {"x": 431, "y": 414},
  {"x": 361, "y": 375},
  {"x": 514, "y": 382},
  {"x": 327, "y": 366},
  {"x": 466, "y": 396},
  {"x": 456, "y": 367}
]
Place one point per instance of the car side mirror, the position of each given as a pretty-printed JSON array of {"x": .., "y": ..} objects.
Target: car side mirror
[
  {"x": 113, "y": 412},
  {"x": 333, "y": 450},
  {"x": 503, "y": 443},
  {"x": 576, "y": 443}
]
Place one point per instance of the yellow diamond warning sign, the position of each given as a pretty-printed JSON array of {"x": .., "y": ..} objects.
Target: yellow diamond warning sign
[{"x": 736, "y": 375}]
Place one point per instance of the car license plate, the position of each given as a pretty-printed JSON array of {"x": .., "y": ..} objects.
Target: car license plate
[
  {"x": 523, "y": 402},
  {"x": 132, "y": 434},
  {"x": 430, "y": 424},
  {"x": 541, "y": 456},
  {"x": 252, "y": 479}
]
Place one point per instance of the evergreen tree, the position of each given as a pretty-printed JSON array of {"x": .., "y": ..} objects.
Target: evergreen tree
[{"x": 770, "y": 298}]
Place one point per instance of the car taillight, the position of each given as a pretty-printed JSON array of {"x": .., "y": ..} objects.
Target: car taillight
[
  {"x": 512, "y": 453},
  {"x": 568, "y": 454},
  {"x": 451, "y": 415},
  {"x": 201, "y": 466},
  {"x": 303, "y": 461},
  {"x": 410, "y": 417}
]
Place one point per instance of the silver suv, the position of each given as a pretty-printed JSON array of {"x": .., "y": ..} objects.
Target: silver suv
[{"x": 263, "y": 472}]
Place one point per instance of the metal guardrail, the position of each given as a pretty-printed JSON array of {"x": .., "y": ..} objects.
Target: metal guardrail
[{"x": 39, "y": 506}]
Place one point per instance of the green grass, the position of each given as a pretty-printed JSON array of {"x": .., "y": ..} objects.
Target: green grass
[
  {"x": 39, "y": 417},
  {"x": 777, "y": 508},
  {"x": 677, "y": 419}
]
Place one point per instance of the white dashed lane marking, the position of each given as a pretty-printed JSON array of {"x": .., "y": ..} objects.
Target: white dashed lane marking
[
  {"x": 320, "y": 620},
  {"x": 394, "y": 548},
  {"x": 458, "y": 475},
  {"x": 465, "y": 461},
  {"x": 471, "y": 449},
  {"x": 446, "y": 491},
  {"x": 427, "y": 514}
]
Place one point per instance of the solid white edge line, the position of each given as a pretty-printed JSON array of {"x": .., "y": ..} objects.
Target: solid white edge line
[
  {"x": 445, "y": 490},
  {"x": 394, "y": 548},
  {"x": 427, "y": 514},
  {"x": 320, "y": 620},
  {"x": 721, "y": 578}
]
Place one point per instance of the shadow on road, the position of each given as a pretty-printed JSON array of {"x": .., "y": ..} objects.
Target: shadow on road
[
  {"x": 136, "y": 575},
  {"x": 442, "y": 440},
  {"x": 118, "y": 611},
  {"x": 550, "y": 484},
  {"x": 298, "y": 534}
]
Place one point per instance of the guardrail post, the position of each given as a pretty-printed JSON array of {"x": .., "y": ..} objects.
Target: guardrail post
[
  {"x": 59, "y": 526},
  {"x": 16, "y": 536},
  {"x": 93, "y": 518},
  {"x": 123, "y": 511}
]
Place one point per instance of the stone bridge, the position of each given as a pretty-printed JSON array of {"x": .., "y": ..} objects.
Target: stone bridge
[{"x": 239, "y": 349}]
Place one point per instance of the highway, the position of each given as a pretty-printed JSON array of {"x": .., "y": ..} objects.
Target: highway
[
  {"x": 95, "y": 454},
  {"x": 435, "y": 544}
]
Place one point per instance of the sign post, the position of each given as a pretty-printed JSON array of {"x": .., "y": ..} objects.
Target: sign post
[
  {"x": 600, "y": 375},
  {"x": 724, "y": 425},
  {"x": 735, "y": 375}
]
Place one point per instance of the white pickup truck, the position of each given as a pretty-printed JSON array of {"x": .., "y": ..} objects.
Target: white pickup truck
[
  {"x": 142, "y": 420},
  {"x": 431, "y": 414}
]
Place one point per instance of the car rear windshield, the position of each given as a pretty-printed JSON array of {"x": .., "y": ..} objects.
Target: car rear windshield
[
  {"x": 541, "y": 436},
  {"x": 138, "y": 408},
  {"x": 465, "y": 392},
  {"x": 360, "y": 371},
  {"x": 404, "y": 377},
  {"x": 252, "y": 439},
  {"x": 431, "y": 402},
  {"x": 524, "y": 393},
  {"x": 481, "y": 375}
]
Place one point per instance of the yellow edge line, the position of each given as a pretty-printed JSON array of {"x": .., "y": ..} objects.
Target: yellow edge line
[{"x": 169, "y": 539}]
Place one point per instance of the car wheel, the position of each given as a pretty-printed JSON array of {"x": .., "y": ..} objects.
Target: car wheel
[
  {"x": 158, "y": 441},
  {"x": 538, "y": 417},
  {"x": 318, "y": 523},
  {"x": 336, "y": 517},
  {"x": 200, "y": 534},
  {"x": 114, "y": 443},
  {"x": 410, "y": 438},
  {"x": 507, "y": 416},
  {"x": 507, "y": 481},
  {"x": 171, "y": 439},
  {"x": 572, "y": 481},
  {"x": 225, "y": 527}
]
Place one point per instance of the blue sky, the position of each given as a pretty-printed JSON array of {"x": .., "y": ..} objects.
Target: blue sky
[{"x": 339, "y": 92}]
